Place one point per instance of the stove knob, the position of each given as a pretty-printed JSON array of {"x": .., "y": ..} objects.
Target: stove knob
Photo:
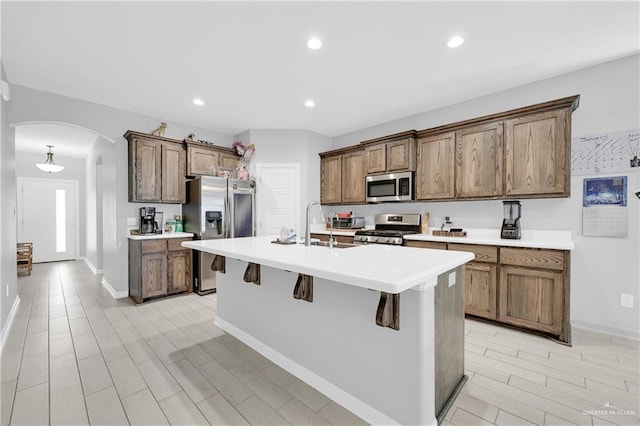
[{"x": 397, "y": 241}]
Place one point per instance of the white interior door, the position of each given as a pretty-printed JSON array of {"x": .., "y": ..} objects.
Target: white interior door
[
  {"x": 278, "y": 197},
  {"x": 47, "y": 217}
]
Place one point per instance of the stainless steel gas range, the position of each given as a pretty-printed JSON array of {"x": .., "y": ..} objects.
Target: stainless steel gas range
[{"x": 389, "y": 229}]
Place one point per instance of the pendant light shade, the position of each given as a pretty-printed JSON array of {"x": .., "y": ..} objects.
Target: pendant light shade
[{"x": 49, "y": 166}]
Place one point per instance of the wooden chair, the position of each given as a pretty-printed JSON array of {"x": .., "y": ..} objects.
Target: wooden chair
[{"x": 25, "y": 257}]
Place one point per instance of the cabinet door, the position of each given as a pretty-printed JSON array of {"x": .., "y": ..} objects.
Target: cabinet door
[
  {"x": 173, "y": 172},
  {"x": 426, "y": 244},
  {"x": 201, "y": 161},
  {"x": 480, "y": 289},
  {"x": 537, "y": 154},
  {"x": 479, "y": 161},
  {"x": 353, "y": 177},
  {"x": 331, "y": 180},
  {"x": 228, "y": 160},
  {"x": 400, "y": 155},
  {"x": 376, "y": 158},
  {"x": 146, "y": 170},
  {"x": 154, "y": 274},
  {"x": 531, "y": 298},
  {"x": 435, "y": 173},
  {"x": 179, "y": 271}
]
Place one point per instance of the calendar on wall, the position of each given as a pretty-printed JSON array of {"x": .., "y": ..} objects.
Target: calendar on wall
[
  {"x": 605, "y": 153},
  {"x": 604, "y": 207}
]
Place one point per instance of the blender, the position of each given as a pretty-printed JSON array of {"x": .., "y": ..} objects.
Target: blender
[{"x": 511, "y": 222}]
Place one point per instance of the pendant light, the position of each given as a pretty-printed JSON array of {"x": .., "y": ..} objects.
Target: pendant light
[{"x": 49, "y": 166}]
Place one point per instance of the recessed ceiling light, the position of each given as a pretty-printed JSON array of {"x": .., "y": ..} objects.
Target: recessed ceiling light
[
  {"x": 455, "y": 41},
  {"x": 198, "y": 102},
  {"x": 309, "y": 104},
  {"x": 314, "y": 43}
]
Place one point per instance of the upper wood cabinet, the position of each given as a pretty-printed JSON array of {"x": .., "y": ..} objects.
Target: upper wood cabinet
[
  {"x": 538, "y": 154},
  {"x": 173, "y": 172},
  {"x": 228, "y": 159},
  {"x": 203, "y": 159},
  {"x": 342, "y": 176},
  {"x": 331, "y": 179},
  {"x": 523, "y": 153},
  {"x": 435, "y": 171},
  {"x": 392, "y": 153},
  {"x": 353, "y": 177},
  {"x": 479, "y": 161},
  {"x": 156, "y": 169}
]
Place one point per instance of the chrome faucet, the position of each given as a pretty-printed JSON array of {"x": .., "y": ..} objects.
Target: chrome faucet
[
  {"x": 307, "y": 233},
  {"x": 331, "y": 240}
]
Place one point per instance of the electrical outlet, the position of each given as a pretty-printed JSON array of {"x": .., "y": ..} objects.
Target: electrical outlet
[
  {"x": 626, "y": 300},
  {"x": 7, "y": 287}
]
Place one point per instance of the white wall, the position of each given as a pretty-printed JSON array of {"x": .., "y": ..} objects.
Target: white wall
[
  {"x": 31, "y": 105},
  {"x": 291, "y": 146},
  {"x": 601, "y": 268},
  {"x": 8, "y": 279}
]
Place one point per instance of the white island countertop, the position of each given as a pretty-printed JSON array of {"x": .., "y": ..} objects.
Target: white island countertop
[
  {"x": 392, "y": 269},
  {"x": 558, "y": 240}
]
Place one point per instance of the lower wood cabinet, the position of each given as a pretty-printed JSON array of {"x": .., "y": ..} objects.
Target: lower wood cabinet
[
  {"x": 480, "y": 289},
  {"x": 531, "y": 298},
  {"x": 523, "y": 287},
  {"x": 337, "y": 238},
  {"x": 158, "y": 268}
]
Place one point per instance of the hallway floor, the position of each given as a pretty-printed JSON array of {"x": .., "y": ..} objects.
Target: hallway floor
[{"x": 77, "y": 356}]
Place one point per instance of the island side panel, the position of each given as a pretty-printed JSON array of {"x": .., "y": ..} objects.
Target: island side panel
[
  {"x": 449, "y": 336},
  {"x": 336, "y": 337}
]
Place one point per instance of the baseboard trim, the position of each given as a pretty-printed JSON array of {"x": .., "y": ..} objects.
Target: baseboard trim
[
  {"x": 350, "y": 402},
  {"x": 7, "y": 327},
  {"x": 114, "y": 293},
  {"x": 92, "y": 267},
  {"x": 605, "y": 330}
]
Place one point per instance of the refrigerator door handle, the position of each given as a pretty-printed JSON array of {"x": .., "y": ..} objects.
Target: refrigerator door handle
[{"x": 228, "y": 208}]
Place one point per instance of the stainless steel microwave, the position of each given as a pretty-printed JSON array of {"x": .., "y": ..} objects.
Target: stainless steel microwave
[{"x": 389, "y": 187}]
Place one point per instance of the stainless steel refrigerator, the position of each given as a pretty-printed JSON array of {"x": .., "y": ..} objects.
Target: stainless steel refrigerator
[{"x": 217, "y": 208}]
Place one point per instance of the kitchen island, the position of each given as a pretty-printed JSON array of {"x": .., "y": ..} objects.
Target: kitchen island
[{"x": 379, "y": 329}]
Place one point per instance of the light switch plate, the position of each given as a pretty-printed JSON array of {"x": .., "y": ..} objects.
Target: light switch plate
[{"x": 452, "y": 278}]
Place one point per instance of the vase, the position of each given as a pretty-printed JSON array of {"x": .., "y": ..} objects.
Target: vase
[{"x": 243, "y": 174}]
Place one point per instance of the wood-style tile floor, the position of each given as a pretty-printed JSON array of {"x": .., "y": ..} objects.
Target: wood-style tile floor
[{"x": 77, "y": 356}]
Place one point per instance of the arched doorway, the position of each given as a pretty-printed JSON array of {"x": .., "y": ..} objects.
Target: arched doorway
[{"x": 75, "y": 146}]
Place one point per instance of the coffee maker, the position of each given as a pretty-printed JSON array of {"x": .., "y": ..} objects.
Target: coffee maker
[
  {"x": 147, "y": 220},
  {"x": 511, "y": 222}
]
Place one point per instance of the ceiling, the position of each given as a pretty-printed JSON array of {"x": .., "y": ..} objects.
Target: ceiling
[
  {"x": 249, "y": 63},
  {"x": 67, "y": 141}
]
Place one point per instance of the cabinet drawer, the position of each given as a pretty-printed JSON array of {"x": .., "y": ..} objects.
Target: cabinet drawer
[
  {"x": 483, "y": 253},
  {"x": 426, "y": 244},
  {"x": 535, "y": 258},
  {"x": 154, "y": 246},
  {"x": 175, "y": 244}
]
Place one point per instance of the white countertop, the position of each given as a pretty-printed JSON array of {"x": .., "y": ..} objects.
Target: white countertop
[
  {"x": 531, "y": 238},
  {"x": 161, "y": 236},
  {"x": 392, "y": 269}
]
